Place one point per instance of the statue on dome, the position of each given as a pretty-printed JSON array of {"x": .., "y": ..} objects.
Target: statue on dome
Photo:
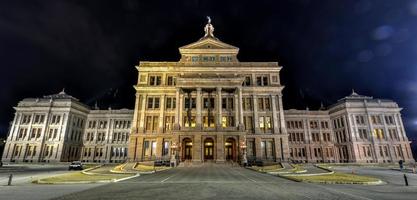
[{"x": 208, "y": 29}]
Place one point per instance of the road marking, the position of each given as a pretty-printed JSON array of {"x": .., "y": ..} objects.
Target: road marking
[{"x": 167, "y": 178}]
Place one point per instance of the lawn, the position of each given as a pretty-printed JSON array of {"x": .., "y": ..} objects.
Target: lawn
[
  {"x": 80, "y": 177},
  {"x": 335, "y": 178},
  {"x": 270, "y": 168},
  {"x": 330, "y": 165},
  {"x": 149, "y": 168}
]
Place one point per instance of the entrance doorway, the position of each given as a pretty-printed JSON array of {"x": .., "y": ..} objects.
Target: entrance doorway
[
  {"x": 208, "y": 149},
  {"x": 188, "y": 149},
  {"x": 230, "y": 149}
]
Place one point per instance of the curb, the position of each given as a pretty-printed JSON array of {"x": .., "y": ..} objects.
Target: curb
[
  {"x": 87, "y": 182},
  {"x": 86, "y": 171}
]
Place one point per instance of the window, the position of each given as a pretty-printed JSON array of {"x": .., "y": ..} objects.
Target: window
[
  {"x": 247, "y": 120},
  {"x": 247, "y": 103},
  {"x": 376, "y": 119},
  {"x": 171, "y": 103},
  {"x": 38, "y": 119},
  {"x": 227, "y": 121},
  {"x": 190, "y": 103},
  {"x": 26, "y": 119},
  {"x": 152, "y": 123},
  {"x": 389, "y": 120},
  {"x": 169, "y": 122},
  {"x": 247, "y": 81},
  {"x": 153, "y": 102},
  {"x": 264, "y": 103},
  {"x": 393, "y": 134},
  {"x": 360, "y": 119},
  {"x": 155, "y": 80},
  {"x": 189, "y": 121},
  {"x": 171, "y": 80},
  {"x": 55, "y": 119},
  {"x": 265, "y": 123},
  {"x": 208, "y": 121},
  {"x": 379, "y": 133},
  {"x": 314, "y": 124},
  {"x": 262, "y": 80},
  {"x": 363, "y": 134},
  {"x": 324, "y": 125},
  {"x": 227, "y": 103},
  {"x": 208, "y": 103},
  {"x": 102, "y": 124},
  {"x": 165, "y": 148}
]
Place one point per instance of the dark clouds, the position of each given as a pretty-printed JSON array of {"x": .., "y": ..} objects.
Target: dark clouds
[{"x": 327, "y": 47}]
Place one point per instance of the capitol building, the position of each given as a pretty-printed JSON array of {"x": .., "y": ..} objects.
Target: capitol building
[{"x": 207, "y": 107}]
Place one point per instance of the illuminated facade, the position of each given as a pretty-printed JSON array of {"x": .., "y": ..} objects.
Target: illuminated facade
[{"x": 207, "y": 107}]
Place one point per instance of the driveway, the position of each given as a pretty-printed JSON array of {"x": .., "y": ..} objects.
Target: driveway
[{"x": 214, "y": 181}]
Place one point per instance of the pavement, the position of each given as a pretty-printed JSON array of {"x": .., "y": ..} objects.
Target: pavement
[
  {"x": 208, "y": 181},
  {"x": 215, "y": 181},
  {"x": 23, "y": 189}
]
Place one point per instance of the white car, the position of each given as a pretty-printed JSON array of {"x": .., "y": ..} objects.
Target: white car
[{"x": 76, "y": 165}]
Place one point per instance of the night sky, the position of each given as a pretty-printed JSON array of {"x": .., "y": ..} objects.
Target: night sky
[{"x": 326, "y": 47}]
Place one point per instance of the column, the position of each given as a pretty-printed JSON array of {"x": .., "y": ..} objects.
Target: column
[
  {"x": 241, "y": 125},
  {"x": 219, "y": 108},
  {"x": 177, "y": 109},
  {"x": 161, "y": 113},
  {"x": 281, "y": 115},
  {"x": 274, "y": 114},
  {"x": 220, "y": 148},
  {"x": 197, "y": 148},
  {"x": 135, "y": 122},
  {"x": 255, "y": 114},
  {"x": 236, "y": 108},
  {"x": 181, "y": 104},
  {"x": 199, "y": 105},
  {"x": 258, "y": 148},
  {"x": 159, "y": 145},
  {"x": 142, "y": 115}
]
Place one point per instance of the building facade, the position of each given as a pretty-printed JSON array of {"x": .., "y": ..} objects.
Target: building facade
[{"x": 207, "y": 107}]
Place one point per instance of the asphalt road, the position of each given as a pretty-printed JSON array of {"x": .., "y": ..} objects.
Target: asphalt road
[{"x": 224, "y": 182}]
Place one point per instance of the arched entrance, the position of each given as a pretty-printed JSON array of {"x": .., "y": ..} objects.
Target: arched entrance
[
  {"x": 187, "y": 145},
  {"x": 208, "y": 149},
  {"x": 230, "y": 149}
]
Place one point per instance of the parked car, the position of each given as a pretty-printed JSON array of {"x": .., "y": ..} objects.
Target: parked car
[{"x": 76, "y": 165}]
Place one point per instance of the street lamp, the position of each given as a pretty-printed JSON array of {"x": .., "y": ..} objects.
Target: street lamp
[
  {"x": 173, "y": 160},
  {"x": 243, "y": 147}
]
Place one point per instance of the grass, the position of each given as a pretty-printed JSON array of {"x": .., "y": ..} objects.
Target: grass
[
  {"x": 149, "y": 168},
  {"x": 335, "y": 178},
  {"x": 80, "y": 177},
  {"x": 330, "y": 165},
  {"x": 270, "y": 168},
  {"x": 297, "y": 168},
  {"x": 87, "y": 166}
]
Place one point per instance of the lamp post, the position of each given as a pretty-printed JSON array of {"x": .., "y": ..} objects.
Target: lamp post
[
  {"x": 243, "y": 147},
  {"x": 173, "y": 160}
]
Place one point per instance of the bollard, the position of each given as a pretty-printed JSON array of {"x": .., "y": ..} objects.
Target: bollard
[
  {"x": 10, "y": 179},
  {"x": 405, "y": 179}
]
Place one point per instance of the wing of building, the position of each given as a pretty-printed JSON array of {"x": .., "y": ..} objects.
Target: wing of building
[{"x": 207, "y": 107}]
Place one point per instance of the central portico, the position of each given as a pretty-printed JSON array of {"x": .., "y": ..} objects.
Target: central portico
[{"x": 208, "y": 107}]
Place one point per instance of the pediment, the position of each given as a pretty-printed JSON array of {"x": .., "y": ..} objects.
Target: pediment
[{"x": 208, "y": 43}]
